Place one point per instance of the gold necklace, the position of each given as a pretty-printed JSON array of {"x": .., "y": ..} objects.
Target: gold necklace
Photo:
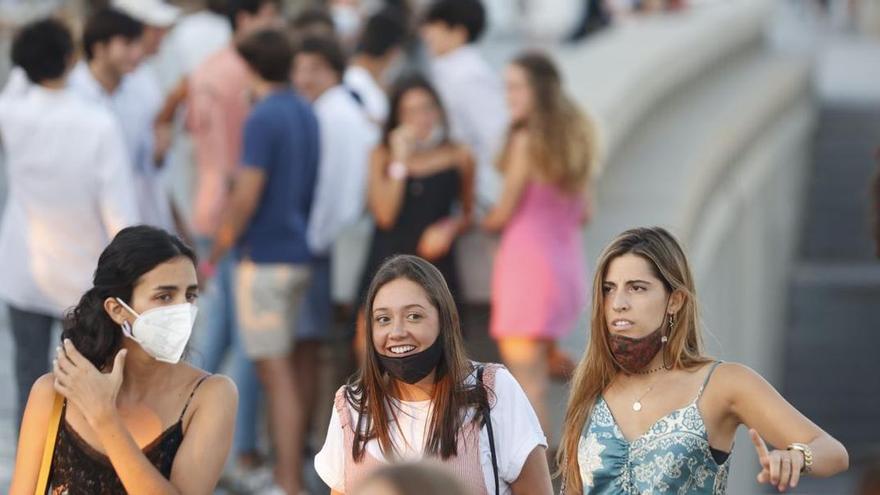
[{"x": 637, "y": 404}]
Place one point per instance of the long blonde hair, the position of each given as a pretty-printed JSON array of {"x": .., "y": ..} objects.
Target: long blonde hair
[
  {"x": 597, "y": 368},
  {"x": 562, "y": 139}
]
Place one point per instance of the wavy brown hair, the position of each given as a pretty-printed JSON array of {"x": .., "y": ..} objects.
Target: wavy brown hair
[
  {"x": 597, "y": 368},
  {"x": 371, "y": 389},
  {"x": 562, "y": 140}
]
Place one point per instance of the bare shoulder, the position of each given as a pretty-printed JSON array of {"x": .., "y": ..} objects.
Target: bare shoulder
[
  {"x": 39, "y": 404},
  {"x": 217, "y": 396},
  {"x": 737, "y": 378},
  {"x": 42, "y": 393},
  {"x": 44, "y": 387},
  {"x": 735, "y": 371},
  {"x": 219, "y": 388}
]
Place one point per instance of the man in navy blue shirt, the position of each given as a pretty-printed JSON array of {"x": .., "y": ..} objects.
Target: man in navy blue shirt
[{"x": 267, "y": 222}]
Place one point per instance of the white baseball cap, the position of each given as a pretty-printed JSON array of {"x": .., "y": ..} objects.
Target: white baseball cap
[{"x": 150, "y": 12}]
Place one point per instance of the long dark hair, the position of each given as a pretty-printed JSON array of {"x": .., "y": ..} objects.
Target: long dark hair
[
  {"x": 132, "y": 253},
  {"x": 370, "y": 390},
  {"x": 403, "y": 86}
]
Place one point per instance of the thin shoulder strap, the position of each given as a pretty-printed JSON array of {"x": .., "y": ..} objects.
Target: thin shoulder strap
[
  {"x": 708, "y": 376},
  {"x": 488, "y": 418},
  {"x": 191, "y": 394}
]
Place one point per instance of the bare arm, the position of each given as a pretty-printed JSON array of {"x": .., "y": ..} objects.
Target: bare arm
[
  {"x": 437, "y": 239},
  {"x": 755, "y": 403},
  {"x": 516, "y": 176},
  {"x": 467, "y": 189},
  {"x": 208, "y": 438},
  {"x": 175, "y": 98},
  {"x": 385, "y": 193},
  {"x": 32, "y": 437},
  {"x": 246, "y": 193},
  {"x": 534, "y": 478}
]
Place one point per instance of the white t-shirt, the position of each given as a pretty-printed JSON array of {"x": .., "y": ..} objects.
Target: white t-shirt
[
  {"x": 373, "y": 97},
  {"x": 347, "y": 137},
  {"x": 70, "y": 191},
  {"x": 473, "y": 97},
  {"x": 135, "y": 104},
  {"x": 195, "y": 37},
  {"x": 515, "y": 427}
]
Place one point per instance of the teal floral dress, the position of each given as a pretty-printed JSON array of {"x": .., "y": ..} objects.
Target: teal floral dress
[{"x": 672, "y": 457}]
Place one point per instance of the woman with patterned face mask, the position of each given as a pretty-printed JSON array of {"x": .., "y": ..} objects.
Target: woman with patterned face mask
[
  {"x": 419, "y": 396},
  {"x": 643, "y": 414},
  {"x": 127, "y": 414}
]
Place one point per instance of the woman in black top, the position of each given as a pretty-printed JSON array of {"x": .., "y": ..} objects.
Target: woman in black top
[
  {"x": 135, "y": 418},
  {"x": 420, "y": 185}
]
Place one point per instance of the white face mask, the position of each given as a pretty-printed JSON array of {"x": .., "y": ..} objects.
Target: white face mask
[
  {"x": 346, "y": 20},
  {"x": 162, "y": 332}
]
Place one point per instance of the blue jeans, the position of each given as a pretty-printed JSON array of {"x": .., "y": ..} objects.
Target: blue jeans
[
  {"x": 216, "y": 337},
  {"x": 32, "y": 334}
]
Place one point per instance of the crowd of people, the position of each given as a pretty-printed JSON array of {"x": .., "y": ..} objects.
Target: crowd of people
[{"x": 296, "y": 131}]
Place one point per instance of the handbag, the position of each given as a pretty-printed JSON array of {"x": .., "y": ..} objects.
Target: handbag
[{"x": 49, "y": 448}]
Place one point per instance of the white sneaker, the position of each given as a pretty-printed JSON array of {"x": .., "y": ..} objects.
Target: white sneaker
[{"x": 249, "y": 480}]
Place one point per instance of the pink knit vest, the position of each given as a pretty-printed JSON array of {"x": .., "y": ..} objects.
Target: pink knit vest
[{"x": 465, "y": 466}]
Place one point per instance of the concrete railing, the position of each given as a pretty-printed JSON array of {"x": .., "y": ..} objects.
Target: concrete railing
[{"x": 622, "y": 73}]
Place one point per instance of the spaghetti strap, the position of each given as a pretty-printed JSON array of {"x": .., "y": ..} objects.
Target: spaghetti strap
[
  {"x": 706, "y": 380},
  {"x": 191, "y": 394}
]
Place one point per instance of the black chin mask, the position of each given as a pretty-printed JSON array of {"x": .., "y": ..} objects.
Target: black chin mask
[{"x": 413, "y": 368}]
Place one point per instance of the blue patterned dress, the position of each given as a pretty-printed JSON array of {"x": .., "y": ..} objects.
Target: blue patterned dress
[{"x": 672, "y": 457}]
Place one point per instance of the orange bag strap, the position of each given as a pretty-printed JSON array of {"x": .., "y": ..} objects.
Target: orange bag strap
[{"x": 49, "y": 448}]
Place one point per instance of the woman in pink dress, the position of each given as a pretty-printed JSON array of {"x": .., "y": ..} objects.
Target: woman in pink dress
[{"x": 539, "y": 277}]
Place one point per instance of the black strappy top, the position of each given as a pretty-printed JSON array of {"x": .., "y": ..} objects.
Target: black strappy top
[{"x": 77, "y": 468}]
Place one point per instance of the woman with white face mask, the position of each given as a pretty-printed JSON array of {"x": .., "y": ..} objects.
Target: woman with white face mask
[
  {"x": 650, "y": 412},
  {"x": 127, "y": 415}
]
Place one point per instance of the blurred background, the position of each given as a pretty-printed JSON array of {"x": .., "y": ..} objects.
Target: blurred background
[{"x": 749, "y": 128}]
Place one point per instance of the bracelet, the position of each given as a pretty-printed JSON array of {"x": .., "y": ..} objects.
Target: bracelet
[
  {"x": 808, "y": 455},
  {"x": 397, "y": 170}
]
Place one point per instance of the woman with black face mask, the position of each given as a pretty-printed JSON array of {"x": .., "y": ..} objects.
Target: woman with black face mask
[
  {"x": 418, "y": 395},
  {"x": 643, "y": 415}
]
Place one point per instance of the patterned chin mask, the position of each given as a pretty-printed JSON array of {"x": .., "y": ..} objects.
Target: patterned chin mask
[{"x": 634, "y": 354}]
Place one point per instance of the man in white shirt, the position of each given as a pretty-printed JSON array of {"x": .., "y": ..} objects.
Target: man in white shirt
[
  {"x": 192, "y": 39},
  {"x": 471, "y": 92},
  {"x": 347, "y": 137},
  {"x": 157, "y": 17},
  {"x": 378, "y": 52},
  {"x": 70, "y": 192},
  {"x": 113, "y": 45}
]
